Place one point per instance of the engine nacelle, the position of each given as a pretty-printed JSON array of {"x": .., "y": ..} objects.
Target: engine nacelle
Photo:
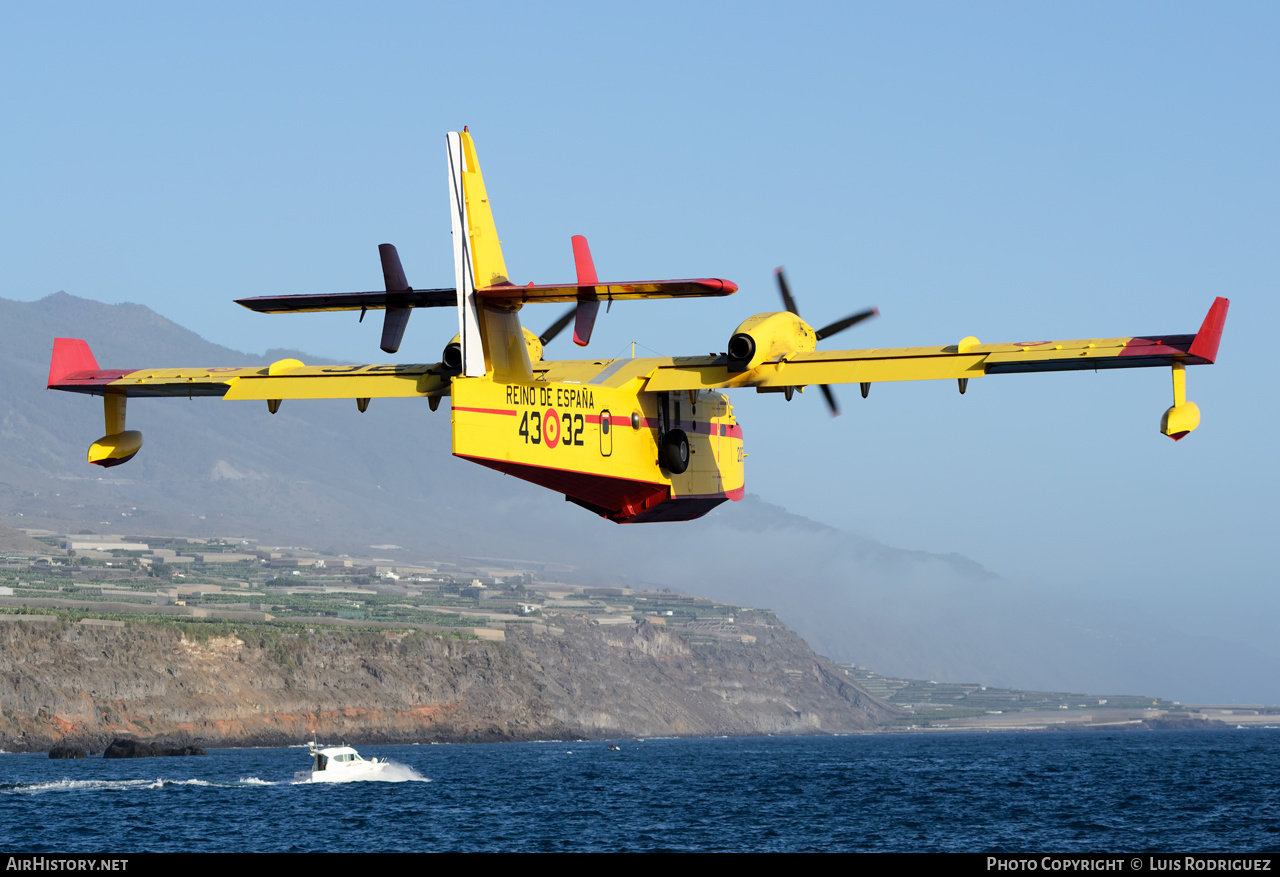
[
  {"x": 112, "y": 450},
  {"x": 451, "y": 358},
  {"x": 533, "y": 345},
  {"x": 765, "y": 337}
]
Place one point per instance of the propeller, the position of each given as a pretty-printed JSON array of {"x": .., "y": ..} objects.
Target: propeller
[
  {"x": 827, "y": 331},
  {"x": 558, "y": 326},
  {"x": 584, "y": 312}
]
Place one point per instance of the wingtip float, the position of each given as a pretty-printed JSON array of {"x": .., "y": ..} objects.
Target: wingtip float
[{"x": 632, "y": 440}]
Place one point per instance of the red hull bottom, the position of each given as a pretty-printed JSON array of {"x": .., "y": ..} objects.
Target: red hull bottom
[{"x": 618, "y": 499}]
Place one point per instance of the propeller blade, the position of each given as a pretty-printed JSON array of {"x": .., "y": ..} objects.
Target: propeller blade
[
  {"x": 558, "y": 326},
  {"x": 826, "y": 332},
  {"x": 831, "y": 399},
  {"x": 787, "y": 301},
  {"x": 841, "y": 325}
]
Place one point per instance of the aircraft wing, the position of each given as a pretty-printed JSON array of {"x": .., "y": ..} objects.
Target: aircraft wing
[
  {"x": 967, "y": 359},
  {"x": 73, "y": 368}
]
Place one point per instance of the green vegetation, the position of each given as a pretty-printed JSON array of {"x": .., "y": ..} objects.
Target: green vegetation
[
  {"x": 170, "y": 587},
  {"x": 926, "y": 718},
  {"x": 262, "y": 634},
  {"x": 935, "y": 701}
]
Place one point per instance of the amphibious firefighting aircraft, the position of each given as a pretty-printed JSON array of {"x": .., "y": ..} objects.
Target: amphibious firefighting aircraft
[{"x": 633, "y": 440}]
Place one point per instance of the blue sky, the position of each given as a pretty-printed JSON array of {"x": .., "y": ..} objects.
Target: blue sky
[{"x": 1006, "y": 170}]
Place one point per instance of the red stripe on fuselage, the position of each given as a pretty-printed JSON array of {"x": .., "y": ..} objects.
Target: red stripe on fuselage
[
  {"x": 696, "y": 426},
  {"x": 511, "y": 412}
]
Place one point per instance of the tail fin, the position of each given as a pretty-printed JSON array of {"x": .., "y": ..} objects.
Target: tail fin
[
  {"x": 492, "y": 339},
  {"x": 486, "y": 249},
  {"x": 464, "y": 269}
]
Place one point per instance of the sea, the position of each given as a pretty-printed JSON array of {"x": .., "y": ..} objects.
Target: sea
[{"x": 1068, "y": 792}]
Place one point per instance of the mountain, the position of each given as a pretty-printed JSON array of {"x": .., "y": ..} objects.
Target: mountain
[{"x": 324, "y": 475}]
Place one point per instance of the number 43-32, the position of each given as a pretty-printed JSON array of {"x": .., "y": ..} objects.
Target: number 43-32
[{"x": 531, "y": 429}]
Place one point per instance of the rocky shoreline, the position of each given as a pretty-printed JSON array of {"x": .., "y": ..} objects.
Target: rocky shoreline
[{"x": 83, "y": 685}]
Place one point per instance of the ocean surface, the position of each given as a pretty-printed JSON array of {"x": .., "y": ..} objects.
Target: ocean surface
[{"x": 1156, "y": 791}]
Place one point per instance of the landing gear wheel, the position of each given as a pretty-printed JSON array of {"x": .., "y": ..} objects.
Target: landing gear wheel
[{"x": 675, "y": 451}]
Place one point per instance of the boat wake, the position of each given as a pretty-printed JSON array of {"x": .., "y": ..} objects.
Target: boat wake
[
  {"x": 392, "y": 773},
  {"x": 106, "y": 785},
  {"x": 402, "y": 773}
]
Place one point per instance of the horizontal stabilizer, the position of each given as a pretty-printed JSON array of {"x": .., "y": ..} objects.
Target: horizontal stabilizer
[
  {"x": 709, "y": 286},
  {"x": 350, "y": 301}
]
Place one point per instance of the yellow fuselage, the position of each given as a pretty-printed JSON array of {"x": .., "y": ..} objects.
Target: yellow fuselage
[{"x": 603, "y": 447}]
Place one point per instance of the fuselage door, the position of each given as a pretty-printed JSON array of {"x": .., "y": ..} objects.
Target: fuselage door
[{"x": 606, "y": 434}]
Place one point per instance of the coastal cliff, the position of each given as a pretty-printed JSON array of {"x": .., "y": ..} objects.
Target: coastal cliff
[{"x": 84, "y": 683}]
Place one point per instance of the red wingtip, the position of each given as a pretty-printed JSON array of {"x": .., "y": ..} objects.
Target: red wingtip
[
  {"x": 1209, "y": 337},
  {"x": 70, "y": 355}
]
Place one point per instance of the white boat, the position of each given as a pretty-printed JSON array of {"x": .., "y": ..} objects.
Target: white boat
[{"x": 338, "y": 764}]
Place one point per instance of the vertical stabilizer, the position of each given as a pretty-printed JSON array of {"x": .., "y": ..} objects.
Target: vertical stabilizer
[
  {"x": 463, "y": 265},
  {"x": 486, "y": 249}
]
